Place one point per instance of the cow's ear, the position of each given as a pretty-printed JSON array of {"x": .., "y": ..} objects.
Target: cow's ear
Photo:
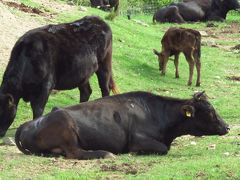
[
  {"x": 156, "y": 52},
  {"x": 9, "y": 100},
  {"x": 188, "y": 111}
]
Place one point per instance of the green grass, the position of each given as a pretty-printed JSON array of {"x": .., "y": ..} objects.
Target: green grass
[{"x": 135, "y": 67}]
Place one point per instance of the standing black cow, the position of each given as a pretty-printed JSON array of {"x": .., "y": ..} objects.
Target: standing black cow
[
  {"x": 105, "y": 4},
  {"x": 196, "y": 10},
  {"x": 58, "y": 57},
  {"x": 133, "y": 122}
]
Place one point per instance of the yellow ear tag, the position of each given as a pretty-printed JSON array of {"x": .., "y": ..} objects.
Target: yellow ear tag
[{"x": 188, "y": 114}]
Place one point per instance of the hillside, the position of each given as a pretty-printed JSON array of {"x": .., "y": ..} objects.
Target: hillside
[{"x": 135, "y": 67}]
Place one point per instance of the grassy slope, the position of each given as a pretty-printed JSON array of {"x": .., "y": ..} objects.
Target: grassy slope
[{"x": 136, "y": 68}]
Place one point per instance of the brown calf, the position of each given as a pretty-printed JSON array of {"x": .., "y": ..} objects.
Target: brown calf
[{"x": 177, "y": 40}]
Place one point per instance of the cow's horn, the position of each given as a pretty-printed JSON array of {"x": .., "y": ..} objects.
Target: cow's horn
[{"x": 198, "y": 95}]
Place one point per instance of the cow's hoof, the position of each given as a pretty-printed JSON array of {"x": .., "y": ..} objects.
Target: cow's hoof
[
  {"x": 198, "y": 84},
  {"x": 109, "y": 156},
  {"x": 189, "y": 83}
]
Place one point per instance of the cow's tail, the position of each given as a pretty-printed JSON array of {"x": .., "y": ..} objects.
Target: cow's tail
[
  {"x": 113, "y": 87},
  {"x": 18, "y": 141}
]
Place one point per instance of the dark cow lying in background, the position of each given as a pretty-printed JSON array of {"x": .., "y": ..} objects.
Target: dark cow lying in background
[
  {"x": 177, "y": 40},
  {"x": 58, "y": 57},
  {"x": 105, "y": 4},
  {"x": 138, "y": 122},
  {"x": 196, "y": 10}
]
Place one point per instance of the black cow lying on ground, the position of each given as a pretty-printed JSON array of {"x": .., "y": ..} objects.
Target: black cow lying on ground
[
  {"x": 105, "y": 4},
  {"x": 177, "y": 40},
  {"x": 138, "y": 122},
  {"x": 196, "y": 10},
  {"x": 58, "y": 57}
]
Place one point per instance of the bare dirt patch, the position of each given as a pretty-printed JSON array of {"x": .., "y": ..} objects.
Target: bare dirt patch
[
  {"x": 222, "y": 37},
  {"x": 22, "y": 7},
  {"x": 15, "y": 25},
  {"x": 12, "y": 27}
]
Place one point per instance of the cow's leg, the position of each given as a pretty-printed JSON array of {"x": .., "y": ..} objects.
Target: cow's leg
[
  {"x": 85, "y": 92},
  {"x": 189, "y": 57},
  {"x": 198, "y": 67},
  {"x": 77, "y": 153},
  {"x": 39, "y": 101},
  {"x": 147, "y": 145},
  {"x": 176, "y": 62},
  {"x": 104, "y": 73},
  {"x": 60, "y": 137},
  {"x": 71, "y": 147},
  {"x": 103, "y": 81}
]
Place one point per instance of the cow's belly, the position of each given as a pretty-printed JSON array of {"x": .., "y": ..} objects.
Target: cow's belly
[
  {"x": 102, "y": 126},
  {"x": 100, "y": 131},
  {"x": 105, "y": 137},
  {"x": 76, "y": 73}
]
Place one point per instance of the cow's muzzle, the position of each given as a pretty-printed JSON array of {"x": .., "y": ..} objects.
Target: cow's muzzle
[{"x": 224, "y": 130}]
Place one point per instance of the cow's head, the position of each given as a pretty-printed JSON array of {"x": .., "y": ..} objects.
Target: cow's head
[
  {"x": 231, "y": 4},
  {"x": 226, "y": 4},
  {"x": 202, "y": 118},
  {"x": 161, "y": 60},
  {"x": 7, "y": 112}
]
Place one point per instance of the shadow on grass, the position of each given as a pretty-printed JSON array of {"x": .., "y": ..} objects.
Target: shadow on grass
[{"x": 152, "y": 73}]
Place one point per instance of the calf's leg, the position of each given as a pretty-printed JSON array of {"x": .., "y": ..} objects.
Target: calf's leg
[
  {"x": 198, "y": 67},
  {"x": 164, "y": 60},
  {"x": 176, "y": 62},
  {"x": 189, "y": 57}
]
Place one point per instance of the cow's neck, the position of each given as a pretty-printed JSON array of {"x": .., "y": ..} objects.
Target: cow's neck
[
  {"x": 12, "y": 78},
  {"x": 175, "y": 124},
  {"x": 179, "y": 129}
]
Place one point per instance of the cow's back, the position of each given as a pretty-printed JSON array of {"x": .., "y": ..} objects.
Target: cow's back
[
  {"x": 176, "y": 36},
  {"x": 69, "y": 52}
]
